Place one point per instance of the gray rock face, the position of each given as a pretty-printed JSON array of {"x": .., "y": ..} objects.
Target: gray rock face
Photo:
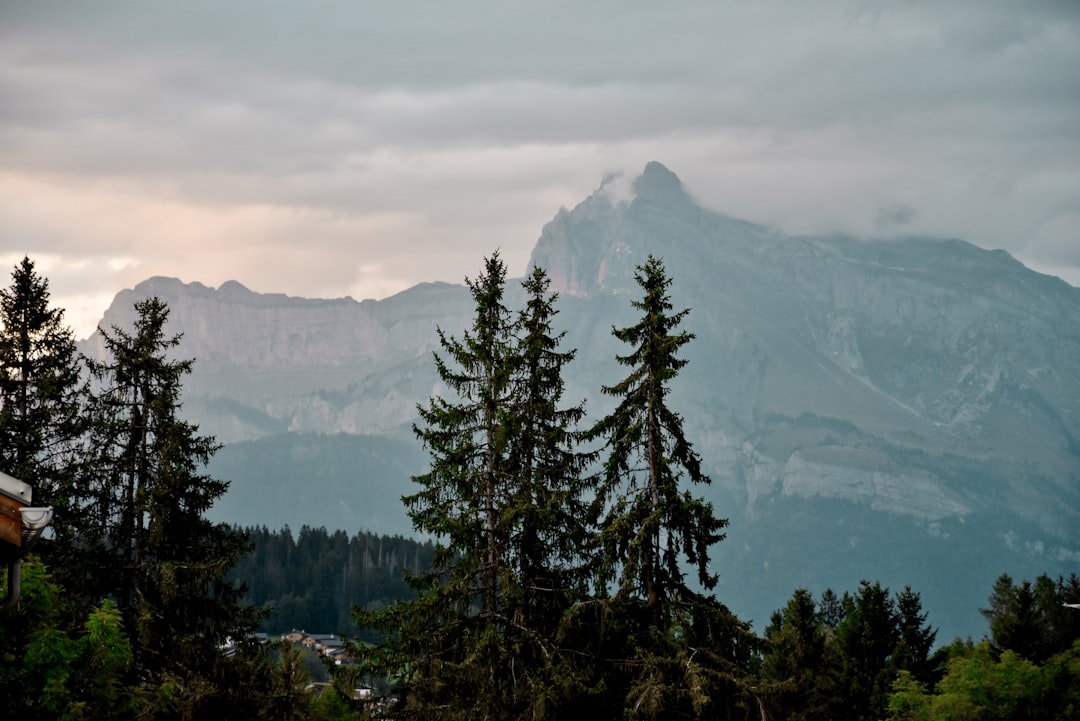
[
  {"x": 271, "y": 363},
  {"x": 912, "y": 405},
  {"x": 838, "y": 367}
]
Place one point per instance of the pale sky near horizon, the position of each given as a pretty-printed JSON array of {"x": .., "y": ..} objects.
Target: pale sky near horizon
[{"x": 347, "y": 147}]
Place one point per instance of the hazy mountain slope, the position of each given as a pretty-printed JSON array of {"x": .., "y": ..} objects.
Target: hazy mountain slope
[
  {"x": 339, "y": 481},
  {"x": 269, "y": 363},
  {"x": 884, "y": 371},
  {"x": 907, "y": 409}
]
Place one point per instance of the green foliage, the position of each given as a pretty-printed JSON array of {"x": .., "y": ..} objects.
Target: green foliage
[
  {"x": 842, "y": 660},
  {"x": 867, "y": 637},
  {"x": 107, "y": 656},
  {"x": 976, "y": 686},
  {"x": 915, "y": 639},
  {"x": 334, "y": 705},
  {"x": 830, "y": 609},
  {"x": 909, "y": 700},
  {"x": 49, "y": 672},
  {"x": 991, "y": 680},
  {"x": 285, "y": 695}
]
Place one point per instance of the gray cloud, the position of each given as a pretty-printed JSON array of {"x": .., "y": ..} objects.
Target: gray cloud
[
  {"x": 343, "y": 147},
  {"x": 894, "y": 215}
]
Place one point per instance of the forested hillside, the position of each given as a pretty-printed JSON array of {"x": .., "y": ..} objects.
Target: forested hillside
[{"x": 312, "y": 580}]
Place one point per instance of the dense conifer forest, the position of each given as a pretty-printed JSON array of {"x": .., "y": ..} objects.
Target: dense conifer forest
[
  {"x": 569, "y": 575},
  {"x": 312, "y": 580}
]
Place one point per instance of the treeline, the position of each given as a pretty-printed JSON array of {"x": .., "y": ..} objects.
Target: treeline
[
  {"x": 312, "y": 581},
  {"x": 869, "y": 655}
]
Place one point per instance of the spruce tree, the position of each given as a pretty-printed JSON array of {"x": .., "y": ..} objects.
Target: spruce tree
[
  {"x": 867, "y": 638},
  {"x": 915, "y": 638},
  {"x": 545, "y": 512},
  {"x": 41, "y": 392},
  {"x": 501, "y": 498},
  {"x": 447, "y": 644},
  {"x": 149, "y": 506},
  {"x": 830, "y": 608},
  {"x": 684, "y": 647},
  {"x": 1013, "y": 616},
  {"x": 795, "y": 666}
]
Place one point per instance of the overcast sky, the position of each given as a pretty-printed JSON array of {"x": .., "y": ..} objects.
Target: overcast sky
[{"x": 340, "y": 147}]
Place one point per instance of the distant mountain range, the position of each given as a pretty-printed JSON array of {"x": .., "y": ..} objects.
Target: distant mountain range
[{"x": 905, "y": 410}]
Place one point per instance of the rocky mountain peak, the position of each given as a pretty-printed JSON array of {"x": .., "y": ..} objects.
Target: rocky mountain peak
[
  {"x": 658, "y": 184},
  {"x": 596, "y": 245},
  {"x": 234, "y": 290}
]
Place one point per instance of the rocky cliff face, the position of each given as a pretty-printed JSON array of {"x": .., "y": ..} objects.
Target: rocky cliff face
[
  {"x": 849, "y": 368},
  {"x": 862, "y": 406},
  {"x": 269, "y": 362}
]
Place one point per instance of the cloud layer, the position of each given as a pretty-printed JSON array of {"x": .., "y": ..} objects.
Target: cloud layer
[{"x": 355, "y": 148}]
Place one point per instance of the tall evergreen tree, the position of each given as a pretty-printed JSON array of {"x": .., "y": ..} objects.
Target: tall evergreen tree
[
  {"x": 867, "y": 638},
  {"x": 1014, "y": 617},
  {"x": 915, "y": 638},
  {"x": 545, "y": 512},
  {"x": 683, "y": 645},
  {"x": 501, "y": 497},
  {"x": 447, "y": 642},
  {"x": 150, "y": 507},
  {"x": 467, "y": 439},
  {"x": 41, "y": 393},
  {"x": 796, "y": 662},
  {"x": 830, "y": 609},
  {"x": 649, "y": 523}
]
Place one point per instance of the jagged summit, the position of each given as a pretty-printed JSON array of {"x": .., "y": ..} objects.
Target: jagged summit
[
  {"x": 584, "y": 249},
  {"x": 234, "y": 289},
  {"x": 596, "y": 246},
  {"x": 659, "y": 184}
]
